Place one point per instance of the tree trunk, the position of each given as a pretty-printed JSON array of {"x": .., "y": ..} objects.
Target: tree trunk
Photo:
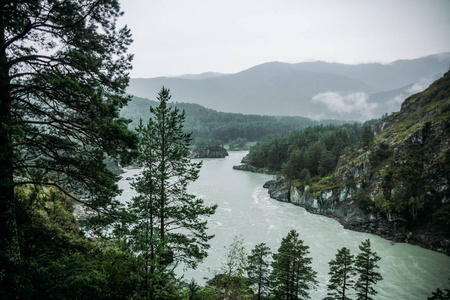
[
  {"x": 152, "y": 249},
  {"x": 146, "y": 265},
  {"x": 9, "y": 241},
  {"x": 163, "y": 173},
  {"x": 345, "y": 277},
  {"x": 260, "y": 280}
]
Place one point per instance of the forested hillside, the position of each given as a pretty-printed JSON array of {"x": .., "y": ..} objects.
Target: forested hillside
[
  {"x": 209, "y": 124},
  {"x": 309, "y": 152}
]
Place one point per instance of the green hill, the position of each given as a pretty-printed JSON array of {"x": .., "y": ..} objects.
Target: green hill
[{"x": 210, "y": 124}]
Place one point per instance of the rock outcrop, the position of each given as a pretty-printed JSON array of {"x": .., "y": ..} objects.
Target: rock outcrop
[
  {"x": 245, "y": 166},
  {"x": 209, "y": 152},
  {"x": 398, "y": 188}
]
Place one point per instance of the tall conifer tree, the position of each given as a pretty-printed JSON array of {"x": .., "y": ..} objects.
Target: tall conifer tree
[
  {"x": 367, "y": 136},
  {"x": 341, "y": 271},
  {"x": 292, "y": 276},
  {"x": 63, "y": 74},
  {"x": 168, "y": 225},
  {"x": 366, "y": 265},
  {"x": 258, "y": 268}
]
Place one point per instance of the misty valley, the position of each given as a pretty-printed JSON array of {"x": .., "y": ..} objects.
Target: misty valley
[{"x": 311, "y": 180}]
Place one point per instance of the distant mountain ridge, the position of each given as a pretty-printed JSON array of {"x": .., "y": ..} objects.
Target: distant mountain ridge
[{"x": 318, "y": 90}]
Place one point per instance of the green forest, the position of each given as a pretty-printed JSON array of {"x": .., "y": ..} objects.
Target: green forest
[
  {"x": 205, "y": 123},
  {"x": 64, "y": 130},
  {"x": 311, "y": 152}
]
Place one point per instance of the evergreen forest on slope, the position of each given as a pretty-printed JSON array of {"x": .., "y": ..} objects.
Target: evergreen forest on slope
[{"x": 205, "y": 123}]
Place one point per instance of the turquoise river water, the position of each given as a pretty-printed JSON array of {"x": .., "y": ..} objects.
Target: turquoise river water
[{"x": 410, "y": 272}]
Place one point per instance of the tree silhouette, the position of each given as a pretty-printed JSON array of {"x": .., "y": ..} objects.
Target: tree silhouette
[
  {"x": 341, "y": 272},
  {"x": 365, "y": 266},
  {"x": 292, "y": 276},
  {"x": 167, "y": 225},
  {"x": 258, "y": 268}
]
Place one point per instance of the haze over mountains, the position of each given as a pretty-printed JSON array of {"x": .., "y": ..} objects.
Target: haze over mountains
[{"x": 317, "y": 90}]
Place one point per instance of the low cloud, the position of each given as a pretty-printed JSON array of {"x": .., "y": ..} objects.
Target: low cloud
[
  {"x": 317, "y": 117},
  {"x": 349, "y": 105},
  {"x": 394, "y": 103},
  {"x": 422, "y": 84}
]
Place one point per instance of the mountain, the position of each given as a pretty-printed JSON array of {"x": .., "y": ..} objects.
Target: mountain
[
  {"x": 318, "y": 90},
  {"x": 384, "y": 77},
  {"x": 253, "y": 91},
  {"x": 398, "y": 187}
]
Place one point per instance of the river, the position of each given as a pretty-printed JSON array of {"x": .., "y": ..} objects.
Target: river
[{"x": 409, "y": 272}]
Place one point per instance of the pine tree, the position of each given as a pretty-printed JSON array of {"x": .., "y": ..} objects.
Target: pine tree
[
  {"x": 63, "y": 74},
  {"x": 341, "y": 272},
  {"x": 258, "y": 268},
  {"x": 146, "y": 241},
  {"x": 167, "y": 225},
  {"x": 365, "y": 266},
  {"x": 438, "y": 294},
  {"x": 367, "y": 136},
  {"x": 292, "y": 276}
]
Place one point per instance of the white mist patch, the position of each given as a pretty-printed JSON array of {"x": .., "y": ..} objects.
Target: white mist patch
[
  {"x": 317, "y": 117},
  {"x": 422, "y": 84},
  {"x": 355, "y": 104},
  {"x": 394, "y": 103}
]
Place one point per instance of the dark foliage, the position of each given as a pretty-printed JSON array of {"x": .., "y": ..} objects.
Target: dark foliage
[
  {"x": 341, "y": 272},
  {"x": 315, "y": 150},
  {"x": 258, "y": 269},
  {"x": 366, "y": 268},
  {"x": 167, "y": 225},
  {"x": 380, "y": 154},
  {"x": 58, "y": 262},
  {"x": 63, "y": 73},
  {"x": 292, "y": 275},
  {"x": 440, "y": 295}
]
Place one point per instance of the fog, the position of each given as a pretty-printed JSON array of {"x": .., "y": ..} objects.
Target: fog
[{"x": 342, "y": 105}]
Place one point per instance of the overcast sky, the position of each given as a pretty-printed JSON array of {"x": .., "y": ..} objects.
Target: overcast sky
[{"x": 174, "y": 37}]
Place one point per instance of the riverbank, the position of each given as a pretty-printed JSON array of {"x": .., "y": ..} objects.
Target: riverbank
[
  {"x": 340, "y": 201},
  {"x": 340, "y": 204}
]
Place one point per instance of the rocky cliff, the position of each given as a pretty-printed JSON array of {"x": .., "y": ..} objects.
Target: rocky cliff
[
  {"x": 398, "y": 187},
  {"x": 209, "y": 152}
]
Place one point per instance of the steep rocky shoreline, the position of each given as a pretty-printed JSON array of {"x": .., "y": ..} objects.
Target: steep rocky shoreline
[
  {"x": 216, "y": 152},
  {"x": 333, "y": 203}
]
